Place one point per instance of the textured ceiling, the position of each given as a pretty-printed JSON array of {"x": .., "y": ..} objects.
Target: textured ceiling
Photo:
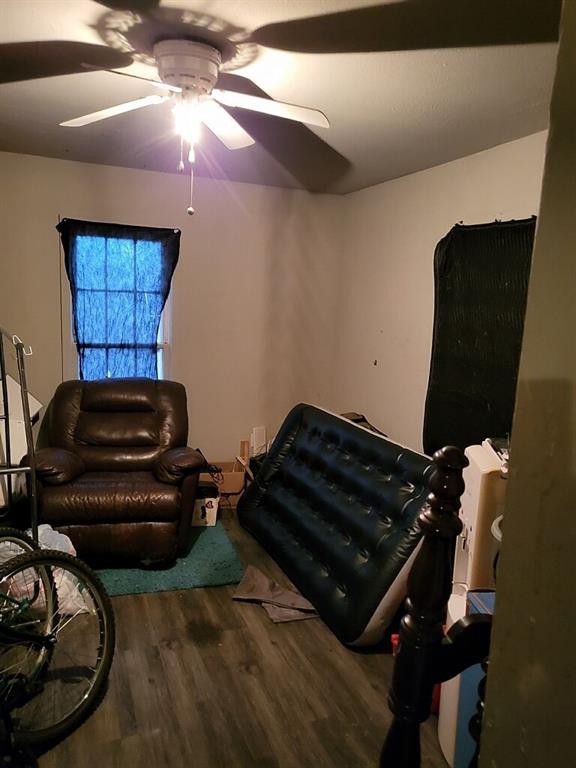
[{"x": 391, "y": 113}]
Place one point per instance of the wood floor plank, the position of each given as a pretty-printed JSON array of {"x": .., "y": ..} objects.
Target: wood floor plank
[{"x": 199, "y": 679}]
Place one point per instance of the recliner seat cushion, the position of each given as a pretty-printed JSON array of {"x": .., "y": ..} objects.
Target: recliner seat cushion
[{"x": 106, "y": 497}]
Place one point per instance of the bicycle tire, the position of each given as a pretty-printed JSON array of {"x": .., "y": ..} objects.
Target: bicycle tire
[
  {"x": 18, "y": 538},
  {"x": 33, "y": 726},
  {"x": 22, "y": 543},
  {"x": 19, "y": 615}
]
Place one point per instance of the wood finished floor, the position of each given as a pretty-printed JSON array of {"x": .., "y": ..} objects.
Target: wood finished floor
[{"x": 200, "y": 680}]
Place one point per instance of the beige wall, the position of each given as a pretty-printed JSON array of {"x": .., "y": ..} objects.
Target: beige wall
[
  {"x": 387, "y": 292},
  {"x": 253, "y": 294},
  {"x": 279, "y": 296}
]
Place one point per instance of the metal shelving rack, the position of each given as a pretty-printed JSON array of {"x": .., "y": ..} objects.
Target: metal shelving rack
[{"x": 7, "y": 468}]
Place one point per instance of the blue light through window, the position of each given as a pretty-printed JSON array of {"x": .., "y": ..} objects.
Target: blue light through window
[{"x": 120, "y": 279}]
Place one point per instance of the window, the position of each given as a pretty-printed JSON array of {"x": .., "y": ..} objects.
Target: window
[{"x": 120, "y": 279}]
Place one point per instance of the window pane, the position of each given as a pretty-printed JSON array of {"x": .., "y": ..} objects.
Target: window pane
[
  {"x": 146, "y": 363},
  {"x": 93, "y": 364},
  {"x": 89, "y": 261},
  {"x": 120, "y": 278},
  {"x": 120, "y": 266},
  {"x": 148, "y": 306},
  {"x": 120, "y": 319},
  {"x": 148, "y": 265},
  {"x": 121, "y": 363},
  {"x": 91, "y": 317}
]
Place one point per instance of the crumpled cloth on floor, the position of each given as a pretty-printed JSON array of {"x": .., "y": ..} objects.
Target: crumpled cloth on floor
[{"x": 280, "y": 604}]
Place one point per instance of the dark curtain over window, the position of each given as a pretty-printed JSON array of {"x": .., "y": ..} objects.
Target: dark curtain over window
[
  {"x": 481, "y": 281},
  {"x": 120, "y": 279}
]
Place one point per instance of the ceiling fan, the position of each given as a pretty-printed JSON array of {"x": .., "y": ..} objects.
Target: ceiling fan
[
  {"x": 190, "y": 66},
  {"x": 189, "y": 72}
]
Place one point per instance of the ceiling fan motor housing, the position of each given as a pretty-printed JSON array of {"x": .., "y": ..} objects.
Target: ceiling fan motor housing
[{"x": 187, "y": 64}]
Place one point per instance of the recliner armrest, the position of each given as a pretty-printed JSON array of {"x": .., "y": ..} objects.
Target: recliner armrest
[
  {"x": 176, "y": 463},
  {"x": 57, "y": 466}
]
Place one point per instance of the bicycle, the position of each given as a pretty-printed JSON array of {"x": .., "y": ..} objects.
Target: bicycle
[
  {"x": 14, "y": 542},
  {"x": 57, "y": 631},
  {"x": 57, "y": 637}
]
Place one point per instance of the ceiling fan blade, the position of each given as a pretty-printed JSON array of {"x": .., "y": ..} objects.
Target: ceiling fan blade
[
  {"x": 417, "y": 24},
  {"x": 119, "y": 109},
  {"x": 223, "y": 125},
  {"x": 306, "y": 156},
  {"x": 137, "y": 6},
  {"x": 155, "y": 83},
  {"x": 271, "y": 107},
  {"x": 48, "y": 58}
]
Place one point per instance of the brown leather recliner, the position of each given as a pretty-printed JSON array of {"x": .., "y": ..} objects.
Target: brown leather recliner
[{"x": 116, "y": 475}]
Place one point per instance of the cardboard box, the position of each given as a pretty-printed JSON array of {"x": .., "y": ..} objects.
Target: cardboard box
[{"x": 231, "y": 480}]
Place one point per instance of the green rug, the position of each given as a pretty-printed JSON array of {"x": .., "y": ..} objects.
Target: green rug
[{"x": 211, "y": 562}]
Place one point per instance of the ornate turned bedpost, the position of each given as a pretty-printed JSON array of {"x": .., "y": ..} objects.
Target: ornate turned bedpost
[
  {"x": 421, "y": 629},
  {"x": 475, "y": 724}
]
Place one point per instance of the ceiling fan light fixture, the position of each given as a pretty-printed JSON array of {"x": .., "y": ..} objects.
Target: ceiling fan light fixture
[
  {"x": 189, "y": 65},
  {"x": 193, "y": 68},
  {"x": 187, "y": 119}
]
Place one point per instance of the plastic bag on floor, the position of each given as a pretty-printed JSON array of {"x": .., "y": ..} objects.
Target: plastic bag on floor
[
  {"x": 48, "y": 538},
  {"x": 70, "y": 600}
]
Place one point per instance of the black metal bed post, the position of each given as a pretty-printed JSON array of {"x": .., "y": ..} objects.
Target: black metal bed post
[
  {"x": 421, "y": 629},
  {"x": 6, "y": 418}
]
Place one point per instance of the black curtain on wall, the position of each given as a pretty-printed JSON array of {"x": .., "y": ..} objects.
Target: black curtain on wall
[{"x": 481, "y": 280}]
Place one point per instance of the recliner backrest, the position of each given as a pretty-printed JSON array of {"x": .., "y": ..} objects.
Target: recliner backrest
[{"x": 118, "y": 424}]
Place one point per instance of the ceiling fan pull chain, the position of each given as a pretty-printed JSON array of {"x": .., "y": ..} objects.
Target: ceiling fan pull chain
[
  {"x": 190, "y": 210},
  {"x": 181, "y": 163}
]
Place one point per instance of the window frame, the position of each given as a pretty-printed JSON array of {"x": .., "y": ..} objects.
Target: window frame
[{"x": 69, "y": 349}]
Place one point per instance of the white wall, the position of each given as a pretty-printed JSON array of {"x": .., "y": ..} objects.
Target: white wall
[
  {"x": 253, "y": 294},
  {"x": 279, "y": 296},
  {"x": 386, "y": 298}
]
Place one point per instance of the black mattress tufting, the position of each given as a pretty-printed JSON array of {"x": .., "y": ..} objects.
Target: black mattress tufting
[{"x": 336, "y": 505}]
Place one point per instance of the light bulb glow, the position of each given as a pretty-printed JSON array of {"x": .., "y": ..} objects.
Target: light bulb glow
[{"x": 187, "y": 120}]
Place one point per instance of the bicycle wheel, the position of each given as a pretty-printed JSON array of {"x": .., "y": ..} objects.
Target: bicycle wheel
[
  {"x": 29, "y": 606},
  {"x": 16, "y": 660},
  {"x": 13, "y": 543},
  {"x": 77, "y": 613}
]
